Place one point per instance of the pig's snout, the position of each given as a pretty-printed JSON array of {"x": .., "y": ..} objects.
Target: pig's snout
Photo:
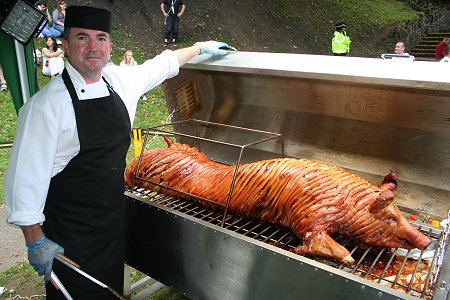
[
  {"x": 408, "y": 232},
  {"x": 417, "y": 239}
]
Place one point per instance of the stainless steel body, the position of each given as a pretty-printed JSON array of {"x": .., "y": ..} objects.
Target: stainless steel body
[{"x": 366, "y": 115}]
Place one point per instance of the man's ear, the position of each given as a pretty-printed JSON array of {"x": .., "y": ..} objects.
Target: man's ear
[{"x": 66, "y": 46}]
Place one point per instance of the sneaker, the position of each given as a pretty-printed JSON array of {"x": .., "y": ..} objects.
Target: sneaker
[
  {"x": 3, "y": 86},
  {"x": 174, "y": 43},
  {"x": 165, "y": 43},
  {"x": 58, "y": 42}
]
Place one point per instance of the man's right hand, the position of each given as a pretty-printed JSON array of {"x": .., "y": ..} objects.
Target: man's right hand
[{"x": 41, "y": 254}]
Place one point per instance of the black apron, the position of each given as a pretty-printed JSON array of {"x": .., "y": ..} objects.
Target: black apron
[{"x": 84, "y": 211}]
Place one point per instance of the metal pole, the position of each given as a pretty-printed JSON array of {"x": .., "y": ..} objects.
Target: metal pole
[{"x": 22, "y": 66}]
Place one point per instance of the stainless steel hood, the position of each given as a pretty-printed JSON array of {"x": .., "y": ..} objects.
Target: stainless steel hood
[{"x": 366, "y": 115}]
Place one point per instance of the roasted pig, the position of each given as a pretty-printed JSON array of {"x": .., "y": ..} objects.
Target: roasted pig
[{"x": 314, "y": 199}]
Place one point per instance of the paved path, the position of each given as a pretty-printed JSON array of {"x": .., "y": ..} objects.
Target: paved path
[{"x": 12, "y": 244}]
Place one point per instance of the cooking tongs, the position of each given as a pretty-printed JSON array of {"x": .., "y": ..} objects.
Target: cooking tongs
[{"x": 74, "y": 266}]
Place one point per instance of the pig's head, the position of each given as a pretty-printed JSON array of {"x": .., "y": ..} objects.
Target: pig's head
[{"x": 392, "y": 228}]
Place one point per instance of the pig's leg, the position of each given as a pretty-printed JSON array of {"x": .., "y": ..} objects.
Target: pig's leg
[{"x": 320, "y": 243}]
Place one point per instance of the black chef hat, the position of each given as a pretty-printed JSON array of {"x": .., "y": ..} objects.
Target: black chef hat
[
  {"x": 340, "y": 25},
  {"x": 88, "y": 17}
]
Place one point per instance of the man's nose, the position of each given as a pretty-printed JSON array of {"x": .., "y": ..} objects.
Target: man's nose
[{"x": 93, "y": 44}]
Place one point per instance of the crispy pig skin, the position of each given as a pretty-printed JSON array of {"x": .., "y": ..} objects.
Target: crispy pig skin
[{"x": 314, "y": 199}]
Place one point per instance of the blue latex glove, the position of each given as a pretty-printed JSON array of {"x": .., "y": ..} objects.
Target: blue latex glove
[
  {"x": 41, "y": 254},
  {"x": 212, "y": 47}
]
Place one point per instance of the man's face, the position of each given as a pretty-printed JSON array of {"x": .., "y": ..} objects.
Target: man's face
[
  {"x": 399, "y": 48},
  {"x": 88, "y": 51},
  {"x": 42, "y": 7}
]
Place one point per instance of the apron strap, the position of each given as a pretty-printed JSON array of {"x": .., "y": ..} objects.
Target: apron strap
[{"x": 69, "y": 85}]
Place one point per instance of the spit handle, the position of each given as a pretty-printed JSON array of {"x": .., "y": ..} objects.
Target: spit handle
[
  {"x": 74, "y": 266},
  {"x": 59, "y": 286}
]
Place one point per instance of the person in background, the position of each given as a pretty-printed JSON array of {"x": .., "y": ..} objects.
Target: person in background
[
  {"x": 47, "y": 29},
  {"x": 340, "y": 44},
  {"x": 128, "y": 59},
  {"x": 400, "y": 48},
  {"x": 110, "y": 61},
  {"x": 172, "y": 19},
  {"x": 446, "y": 58},
  {"x": 52, "y": 58},
  {"x": 440, "y": 49},
  {"x": 3, "y": 85},
  {"x": 59, "y": 15},
  {"x": 64, "y": 183}
]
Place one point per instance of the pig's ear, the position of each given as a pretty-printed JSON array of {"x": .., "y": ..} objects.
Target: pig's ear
[{"x": 381, "y": 201}]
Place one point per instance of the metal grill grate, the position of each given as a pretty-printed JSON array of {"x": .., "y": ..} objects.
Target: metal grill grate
[{"x": 387, "y": 267}]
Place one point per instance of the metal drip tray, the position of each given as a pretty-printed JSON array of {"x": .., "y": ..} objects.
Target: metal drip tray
[{"x": 413, "y": 273}]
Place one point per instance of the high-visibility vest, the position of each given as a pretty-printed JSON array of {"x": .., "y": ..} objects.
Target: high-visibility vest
[{"x": 340, "y": 43}]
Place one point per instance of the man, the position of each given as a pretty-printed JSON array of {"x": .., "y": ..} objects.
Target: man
[
  {"x": 400, "y": 48},
  {"x": 446, "y": 58},
  {"x": 64, "y": 183},
  {"x": 172, "y": 19},
  {"x": 47, "y": 29},
  {"x": 440, "y": 49},
  {"x": 340, "y": 43}
]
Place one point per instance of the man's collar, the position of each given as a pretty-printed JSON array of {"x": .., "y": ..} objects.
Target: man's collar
[{"x": 76, "y": 77}]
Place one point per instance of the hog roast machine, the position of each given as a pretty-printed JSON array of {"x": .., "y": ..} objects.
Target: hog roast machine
[{"x": 366, "y": 115}]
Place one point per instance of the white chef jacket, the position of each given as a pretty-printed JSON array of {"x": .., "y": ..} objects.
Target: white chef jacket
[{"x": 46, "y": 137}]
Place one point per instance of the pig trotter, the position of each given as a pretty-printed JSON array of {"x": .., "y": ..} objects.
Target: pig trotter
[{"x": 323, "y": 245}]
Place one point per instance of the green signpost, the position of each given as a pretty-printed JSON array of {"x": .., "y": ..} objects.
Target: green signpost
[{"x": 18, "y": 67}]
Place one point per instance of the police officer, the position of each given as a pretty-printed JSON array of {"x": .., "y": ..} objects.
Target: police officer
[{"x": 340, "y": 43}]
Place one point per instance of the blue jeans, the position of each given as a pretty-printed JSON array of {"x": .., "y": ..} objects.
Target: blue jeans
[
  {"x": 47, "y": 31},
  {"x": 59, "y": 28}
]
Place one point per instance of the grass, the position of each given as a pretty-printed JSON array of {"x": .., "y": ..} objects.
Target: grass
[
  {"x": 364, "y": 17},
  {"x": 22, "y": 282}
]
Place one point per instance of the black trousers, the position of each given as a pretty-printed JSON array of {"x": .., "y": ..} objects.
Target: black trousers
[{"x": 172, "y": 28}]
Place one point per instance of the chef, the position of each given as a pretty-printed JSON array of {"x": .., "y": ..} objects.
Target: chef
[{"x": 64, "y": 183}]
